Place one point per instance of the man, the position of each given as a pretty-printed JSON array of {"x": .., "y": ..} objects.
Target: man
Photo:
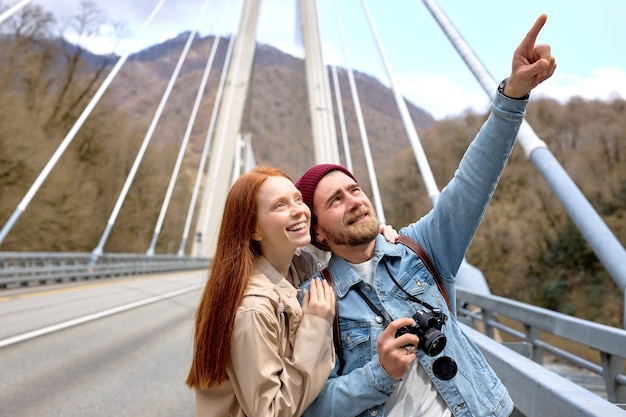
[{"x": 381, "y": 286}]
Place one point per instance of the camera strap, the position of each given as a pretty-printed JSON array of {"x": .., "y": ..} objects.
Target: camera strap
[
  {"x": 421, "y": 253},
  {"x": 384, "y": 316},
  {"x": 336, "y": 329},
  {"x": 409, "y": 296}
]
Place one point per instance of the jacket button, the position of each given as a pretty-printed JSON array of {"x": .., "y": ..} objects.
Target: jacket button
[
  {"x": 368, "y": 288},
  {"x": 373, "y": 412},
  {"x": 348, "y": 339},
  {"x": 458, "y": 407},
  {"x": 379, "y": 319}
]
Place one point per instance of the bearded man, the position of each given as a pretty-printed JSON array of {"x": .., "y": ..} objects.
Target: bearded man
[{"x": 400, "y": 349}]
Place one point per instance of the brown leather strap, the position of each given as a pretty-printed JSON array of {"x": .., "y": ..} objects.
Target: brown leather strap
[
  {"x": 419, "y": 251},
  {"x": 336, "y": 331}
]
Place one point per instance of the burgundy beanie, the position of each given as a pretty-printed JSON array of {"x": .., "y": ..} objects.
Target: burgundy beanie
[
  {"x": 309, "y": 180},
  {"x": 307, "y": 185}
]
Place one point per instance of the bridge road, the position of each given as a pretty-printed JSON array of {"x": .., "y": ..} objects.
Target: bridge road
[{"x": 131, "y": 362}]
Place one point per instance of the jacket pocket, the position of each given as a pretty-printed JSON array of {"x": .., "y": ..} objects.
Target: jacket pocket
[
  {"x": 354, "y": 334},
  {"x": 416, "y": 285},
  {"x": 355, "y": 344}
]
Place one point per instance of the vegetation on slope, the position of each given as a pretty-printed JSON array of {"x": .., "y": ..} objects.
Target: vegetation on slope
[{"x": 527, "y": 246}]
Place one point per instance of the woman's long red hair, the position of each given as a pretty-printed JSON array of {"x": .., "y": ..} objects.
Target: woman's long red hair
[{"x": 230, "y": 272}]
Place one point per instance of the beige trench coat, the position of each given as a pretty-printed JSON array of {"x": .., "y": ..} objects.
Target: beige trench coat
[{"x": 280, "y": 358}]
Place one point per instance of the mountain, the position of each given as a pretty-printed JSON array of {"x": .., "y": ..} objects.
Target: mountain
[{"x": 276, "y": 113}]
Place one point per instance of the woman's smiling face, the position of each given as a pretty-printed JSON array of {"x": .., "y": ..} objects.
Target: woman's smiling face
[{"x": 283, "y": 220}]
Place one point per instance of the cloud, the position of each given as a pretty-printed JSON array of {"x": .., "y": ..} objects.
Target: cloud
[
  {"x": 440, "y": 93},
  {"x": 441, "y": 96},
  {"x": 604, "y": 84}
]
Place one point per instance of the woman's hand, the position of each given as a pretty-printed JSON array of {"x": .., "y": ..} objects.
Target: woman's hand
[
  {"x": 390, "y": 234},
  {"x": 320, "y": 300}
]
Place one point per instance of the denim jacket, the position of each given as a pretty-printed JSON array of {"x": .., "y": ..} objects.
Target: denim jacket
[{"x": 445, "y": 233}]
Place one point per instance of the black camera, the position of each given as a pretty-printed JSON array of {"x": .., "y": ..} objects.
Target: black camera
[{"x": 427, "y": 327}]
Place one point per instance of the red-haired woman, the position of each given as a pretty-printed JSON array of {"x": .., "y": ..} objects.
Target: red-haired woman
[{"x": 257, "y": 352}]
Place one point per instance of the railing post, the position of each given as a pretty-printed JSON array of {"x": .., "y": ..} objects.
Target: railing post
[
  {"x": 532, "y": 335},
  {"x": 487, "y": 318},
  {"x": 612, "y": 366}
]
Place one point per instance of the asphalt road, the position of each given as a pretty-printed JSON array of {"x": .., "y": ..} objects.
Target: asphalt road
[{"x": 118, "y": 347}]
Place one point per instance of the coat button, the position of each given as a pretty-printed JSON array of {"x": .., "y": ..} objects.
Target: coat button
[
  {"x": 368, "y": 288},
  {"x": 379, "y": 319},
  {"x": 373, "y": 412}
]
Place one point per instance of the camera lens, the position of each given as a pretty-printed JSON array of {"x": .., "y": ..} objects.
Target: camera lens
[{"x": 434, "y": 342}]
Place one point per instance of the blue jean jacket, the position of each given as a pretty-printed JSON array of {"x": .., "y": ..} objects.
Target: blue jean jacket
[{"x": 445, "y": 233}]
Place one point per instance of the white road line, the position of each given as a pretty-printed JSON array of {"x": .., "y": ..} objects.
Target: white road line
[{"x": 64, "y": 325}]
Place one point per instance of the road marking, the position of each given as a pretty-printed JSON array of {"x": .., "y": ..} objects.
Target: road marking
[
  {"x": 46, "y": 292},
  {"x": 90, "y": 317}
]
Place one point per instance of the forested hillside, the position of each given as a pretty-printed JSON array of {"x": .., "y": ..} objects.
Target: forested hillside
[
  {"x": 47, "y": 84},
  {"x": 527, "y": 247}
]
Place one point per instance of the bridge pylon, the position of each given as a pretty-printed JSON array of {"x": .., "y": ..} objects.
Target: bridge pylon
[{"x": 223, "y": 153}]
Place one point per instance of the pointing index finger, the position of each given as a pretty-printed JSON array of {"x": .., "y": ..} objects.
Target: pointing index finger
[{"x": 532, "y": 34}]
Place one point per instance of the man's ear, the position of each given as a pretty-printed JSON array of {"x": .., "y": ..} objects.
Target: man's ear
[{"x": 320, "y": 237}]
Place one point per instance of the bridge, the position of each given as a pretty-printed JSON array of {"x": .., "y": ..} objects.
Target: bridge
[{"x": 106, "y": 333}]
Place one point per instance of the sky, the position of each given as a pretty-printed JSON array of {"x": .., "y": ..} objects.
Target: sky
[{"x": 588, "y": 39}]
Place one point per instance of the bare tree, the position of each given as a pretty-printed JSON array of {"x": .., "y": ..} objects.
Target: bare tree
[{"x": 74, "y": 91}]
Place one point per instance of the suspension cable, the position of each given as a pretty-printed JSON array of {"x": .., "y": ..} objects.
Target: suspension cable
[
  {"x": 207, "y": 145},
  {"x": 359, "y": 114},
  {"x": 183, "y": 145},
  {"x": 98, "y": 250},
  {"x": 73, "y": 131},
  {"x": 418, "y": 150},
  {"x": 13, "y": 9}
]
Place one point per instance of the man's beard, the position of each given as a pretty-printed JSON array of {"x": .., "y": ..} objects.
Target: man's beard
[{"x": 355, "y": 235}]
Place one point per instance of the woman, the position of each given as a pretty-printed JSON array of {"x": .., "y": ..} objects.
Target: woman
[{"x": 256, "y": 351}]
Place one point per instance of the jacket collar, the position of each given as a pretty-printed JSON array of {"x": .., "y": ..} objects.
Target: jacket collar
[
  {"x": 344, "y": 276},
  {"x": 264, "y": 272},
  {"x": 264, "y": 267}
]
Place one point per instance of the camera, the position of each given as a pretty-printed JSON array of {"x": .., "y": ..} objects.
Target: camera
[{"x": 427, "y": 327}]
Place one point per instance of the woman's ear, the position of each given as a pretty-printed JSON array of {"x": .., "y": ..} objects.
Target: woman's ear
[{"x": 256, "y": 235}]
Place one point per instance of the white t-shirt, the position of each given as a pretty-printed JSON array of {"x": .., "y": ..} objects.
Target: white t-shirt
[
  {"x": 416, "y": 396},
  {"x": 366, "y": 271}
]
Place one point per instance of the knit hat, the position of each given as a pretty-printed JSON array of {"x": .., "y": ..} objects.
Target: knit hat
[
  {"x": 307, "y": 184},
  {"x": 309, "y": 180}
]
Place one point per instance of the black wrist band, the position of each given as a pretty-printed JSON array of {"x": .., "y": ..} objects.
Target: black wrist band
[{"x": 501, "y": 91}]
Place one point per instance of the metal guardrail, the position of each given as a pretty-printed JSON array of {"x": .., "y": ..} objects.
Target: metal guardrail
[
  {"x": 32, "y": 268},
  {"x": 609, "y": 342},
  {"x": 535, "y": 390}
]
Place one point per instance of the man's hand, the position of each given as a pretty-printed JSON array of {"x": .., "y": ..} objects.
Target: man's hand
[
  {"x": 396, "y": 355},
  {"x": 532, "y": 64}
]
